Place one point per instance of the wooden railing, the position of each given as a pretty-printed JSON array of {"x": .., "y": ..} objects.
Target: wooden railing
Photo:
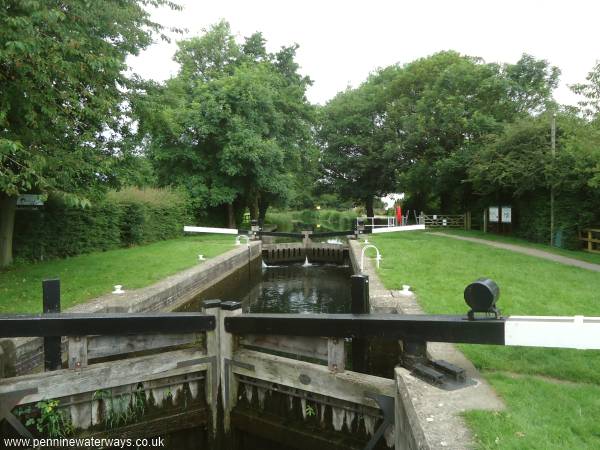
[{"x": 591, "y": 239}]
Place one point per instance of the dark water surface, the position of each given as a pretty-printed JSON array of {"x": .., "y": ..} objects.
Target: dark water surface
[{"x": 292, "y": 288}]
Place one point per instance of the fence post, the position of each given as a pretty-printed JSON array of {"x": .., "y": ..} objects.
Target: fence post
[
  {"x": 359, "y": 288},
  {"x": 52, "y": 344},
  {"x": 81, "y": 411},
  {"x": 78, "y": 352},
  {"x": 213, "y": 307},
  {"x": 336, "y": 354},
  {"x": 227, "y": 344}
]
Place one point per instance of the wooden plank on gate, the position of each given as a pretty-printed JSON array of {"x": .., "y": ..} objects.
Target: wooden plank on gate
[
  {"x": 309, "y": 347},
  {"x": 348, "y": 386},
  {"x": 66, "y": 382},
  {"x": 103, "y": 346}
]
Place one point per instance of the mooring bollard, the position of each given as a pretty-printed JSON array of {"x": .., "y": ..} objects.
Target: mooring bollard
[
  {"x": 359, "y": 287},
  {"x": 52, "y": 344}
]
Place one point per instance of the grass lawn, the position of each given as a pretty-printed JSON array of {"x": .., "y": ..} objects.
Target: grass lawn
[
  {"x": 575, "y": 254},
  {"x": 87, "y": 276},
  {"x": 553, "y": 395}
]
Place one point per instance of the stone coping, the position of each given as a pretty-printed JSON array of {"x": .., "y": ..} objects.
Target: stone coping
[
  {"x": 436, "y": 412},
  {"x": 25, "y": 355}
]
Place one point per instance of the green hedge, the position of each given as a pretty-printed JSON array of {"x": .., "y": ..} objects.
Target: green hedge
[
  {"x": 338, "y": 220},
  {"x": 571, "y": 213},
  {"x": 126, "y": 218}
]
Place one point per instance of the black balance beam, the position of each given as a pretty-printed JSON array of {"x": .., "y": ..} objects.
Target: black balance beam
[
  {"x": 419, "y": 328},
  {"x": 33, "y": 325}
]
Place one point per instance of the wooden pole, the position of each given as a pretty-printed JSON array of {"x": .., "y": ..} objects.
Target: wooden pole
[
  {"x": 52, "y": 344},
  {"x": 485, "y": 220},
  {"x": 227, "y": 345},
  {"x": 553, "y": 145},
  {"x": 213, "y": 307}
]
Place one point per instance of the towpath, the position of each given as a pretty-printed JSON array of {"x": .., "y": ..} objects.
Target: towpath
[{"x": 526, "y": 251}]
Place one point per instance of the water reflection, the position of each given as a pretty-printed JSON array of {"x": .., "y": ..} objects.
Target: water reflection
[{"x": 300, "y": 289}]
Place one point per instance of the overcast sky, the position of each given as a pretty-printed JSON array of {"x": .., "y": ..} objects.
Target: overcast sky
[{"x": 342, "y": 41}]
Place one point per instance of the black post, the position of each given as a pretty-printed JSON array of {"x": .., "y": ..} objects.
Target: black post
[
  {"x": 52, "y": 344},
  {"x": 359, "y": 288}
]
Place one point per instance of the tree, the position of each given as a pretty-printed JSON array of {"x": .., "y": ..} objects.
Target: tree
[
  {"x": 231, "y": 126},
  {"x": 63, "y": 86},
  {"x": 360, "y": 157},
  {"x": 517, "y": 168},
  {"x": 590, "y": 90},
  {"x": 446, "y": 106}
]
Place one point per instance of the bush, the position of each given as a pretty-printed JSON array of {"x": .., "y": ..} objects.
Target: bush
[
  {"x": 128, "y": 217},
  {"x": 336, "y": 219},
  {"x": 150, "y": 215},
  {"x": 571, "y": 213}
]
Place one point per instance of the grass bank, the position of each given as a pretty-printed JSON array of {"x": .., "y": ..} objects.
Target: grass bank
[
  {"x": 553, "y": 395},
  {"x": 575, "y": 254},
  {"x": 88, "y": 276}
]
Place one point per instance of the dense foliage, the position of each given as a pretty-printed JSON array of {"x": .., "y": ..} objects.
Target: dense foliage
[
  {"x": 125, "y": 218},
  {"x": 233, "y": 130},
  {"x": 455, "y": 133},
  {"x": 63, "y": 87},
  {"x": 232, "y": 126}
]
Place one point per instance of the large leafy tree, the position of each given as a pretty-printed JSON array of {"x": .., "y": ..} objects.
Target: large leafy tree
[
  {"x": 360, "y": 157},
  {"x": 447, "y": 105},
  {"x": 414, "y": 128},
  {"x": 231, "y": 127},
  {"x": 517, "y": 167},
  {"x": 590, "y": 90},
  {"x": 62, "y": 91}
]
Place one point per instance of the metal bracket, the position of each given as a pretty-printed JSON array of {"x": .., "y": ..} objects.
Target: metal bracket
[
  {"x": 227, "y": 364},
  {"x": 387, "y": 406},
  {"x": 8, "y": 402},
  {"x": 442, "y": 374},
  {"x": 212, "y": 360}
]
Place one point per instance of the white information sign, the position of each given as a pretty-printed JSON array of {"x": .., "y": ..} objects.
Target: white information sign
[
  {"x": 493, "y": 214},
  {"x": 30, "y": 200},
  {"x": 506, "y": 214}
]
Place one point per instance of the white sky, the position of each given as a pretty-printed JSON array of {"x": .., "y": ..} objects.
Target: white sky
[{"x": 342, "y": 41}]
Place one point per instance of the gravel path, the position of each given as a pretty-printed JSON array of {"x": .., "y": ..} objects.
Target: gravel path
[{"x": 527, "y": 251}]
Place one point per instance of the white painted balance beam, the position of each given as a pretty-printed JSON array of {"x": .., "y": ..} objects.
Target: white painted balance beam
[
  {"x": 577, "y": 332},
  {"x": 399, "y": 228},
  {"x": 190, "y": 229}
]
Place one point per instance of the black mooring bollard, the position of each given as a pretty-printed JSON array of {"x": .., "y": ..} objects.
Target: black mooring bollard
[
  {"x": 359, "y": 288},
  {"x": 52, "y": 344}
]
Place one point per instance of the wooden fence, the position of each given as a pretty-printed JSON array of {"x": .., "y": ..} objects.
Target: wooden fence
[
  {"x": 591, "y": 239},
  {"x": 462, "y": 221}
]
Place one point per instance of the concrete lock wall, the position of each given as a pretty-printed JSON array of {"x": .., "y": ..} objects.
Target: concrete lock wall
[
  {"x": 429, "y": 417},
  {"x": 20, "y": 356}
]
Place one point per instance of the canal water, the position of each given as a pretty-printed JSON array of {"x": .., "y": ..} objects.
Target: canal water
[
  {"x": 291, "y": 288},
  {"x": 287, "y": 288}
]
